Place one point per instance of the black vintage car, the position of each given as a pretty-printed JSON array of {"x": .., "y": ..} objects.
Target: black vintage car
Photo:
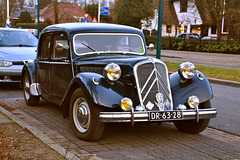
[{"x": 101, "y": 73}]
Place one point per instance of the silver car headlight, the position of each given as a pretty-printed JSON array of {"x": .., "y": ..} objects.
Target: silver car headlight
[
  {"x": 113, "y": 71},
  {"x": 187, "y": 70},
  {"x": 5, "y": 63}
]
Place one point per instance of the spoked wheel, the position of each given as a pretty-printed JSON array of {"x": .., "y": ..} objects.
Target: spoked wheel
[
  {"x": 192, "y": 126},
  {"x": 84, "y": 117},
  {"x": 29, "y": 99}
]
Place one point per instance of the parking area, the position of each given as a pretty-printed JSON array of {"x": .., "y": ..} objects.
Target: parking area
[{"x": 121, "y": 141}]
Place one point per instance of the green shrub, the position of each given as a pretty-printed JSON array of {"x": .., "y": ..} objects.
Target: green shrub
[{"x": 32, "y": 25}]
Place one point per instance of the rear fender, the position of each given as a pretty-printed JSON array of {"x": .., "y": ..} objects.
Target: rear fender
[
  {"x": 31, "y": 69},
  {"x": 198, "y": 86}
]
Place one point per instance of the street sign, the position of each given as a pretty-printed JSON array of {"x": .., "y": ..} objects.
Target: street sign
[
  {"x": 104, "y": 8},
  {"x": 104, "y": 13},
  {"x": 94, "y": 20},
  {"x": 86, "y": 15},
  {"x": 85, "y": 21}
]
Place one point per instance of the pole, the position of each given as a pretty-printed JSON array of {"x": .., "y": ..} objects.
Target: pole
[
  {"x": 159, "y": 33},
  {"x": 7, "y": 21},
  {"x": 98, "y": 11},
  {"x": 38, "y": 19}
]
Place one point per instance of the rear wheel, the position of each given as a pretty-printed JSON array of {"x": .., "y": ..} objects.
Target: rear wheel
[
  {"x": 29, "y": 99},
  {"x": 84, "y": 117},
  {"x": 192, "y": 126}
]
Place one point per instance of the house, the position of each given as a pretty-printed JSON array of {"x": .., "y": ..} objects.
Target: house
[
  {"x": 170, "y": 21},
  {"x": 67, "y": 12},
  {"x": 192, "y": 16},
  {"x": 196, "y": 16},
  {"x": 31, "y": 10}
]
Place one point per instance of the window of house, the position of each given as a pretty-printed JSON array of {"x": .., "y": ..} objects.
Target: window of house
[
  {"x": 185, "y": 29},
  {"x": 183, "y": 5},
  {"x": 214, "y": 29},
  {"x": 169, "y": 28}
]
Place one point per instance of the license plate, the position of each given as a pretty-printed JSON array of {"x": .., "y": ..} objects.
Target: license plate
[{"x": 165, "y": 115}]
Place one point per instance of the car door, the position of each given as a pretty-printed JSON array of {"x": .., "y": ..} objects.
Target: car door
[
  {"x": 44, "y": 52},
  {"x": 60, "y": 67}
]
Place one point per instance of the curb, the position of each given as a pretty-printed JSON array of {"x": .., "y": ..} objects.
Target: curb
[
  {"x": 36, "y": 132},
  {"x": 224, "y": 82}
]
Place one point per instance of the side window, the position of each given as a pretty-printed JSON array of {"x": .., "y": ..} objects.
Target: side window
[
  {"x": 61, "y": 47},
  {"x": 45, "y": 48}
]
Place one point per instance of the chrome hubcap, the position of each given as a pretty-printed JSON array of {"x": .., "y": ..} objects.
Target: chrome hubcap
[
  {"x": 81, "y": 115},
  {"x": 26, "y": 88}
]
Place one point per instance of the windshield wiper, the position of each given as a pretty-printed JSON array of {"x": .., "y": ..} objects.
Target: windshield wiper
[
  {"x": 89, "y": 47},
  {"x": 19, "y": 45}
]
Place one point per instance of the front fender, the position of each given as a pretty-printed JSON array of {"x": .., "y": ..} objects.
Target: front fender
[
  {"x": 198, "y": 86},
  {"x": 31, "y": 69},
  {"x": 97, "y": 88}
]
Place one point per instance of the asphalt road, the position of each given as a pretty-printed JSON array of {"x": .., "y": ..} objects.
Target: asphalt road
[
  {"x": 200, "y": 58},
  {"x": 227, "y": 101}
]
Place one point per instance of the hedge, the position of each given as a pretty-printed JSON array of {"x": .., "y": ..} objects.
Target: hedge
[
  {"x": 229, "y": 46},
  {"x": 32, "y": 25}
]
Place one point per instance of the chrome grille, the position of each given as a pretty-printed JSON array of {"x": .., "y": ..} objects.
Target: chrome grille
[{"x": 153, "y": 85}]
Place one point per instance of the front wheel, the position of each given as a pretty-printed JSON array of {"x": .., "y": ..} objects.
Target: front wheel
[
  {"x": 192, "y": 126},
  {"x": 84, "y": 117},
  {"x": 29, "y": 99}
]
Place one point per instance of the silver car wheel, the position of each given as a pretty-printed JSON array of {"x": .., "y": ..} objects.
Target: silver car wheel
[
  {"x": 81, "y": 115},
  {"x": 27, "y": 88}
]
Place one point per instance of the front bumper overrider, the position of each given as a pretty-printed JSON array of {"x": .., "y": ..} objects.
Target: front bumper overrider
[{"x": 144, "y": 116}]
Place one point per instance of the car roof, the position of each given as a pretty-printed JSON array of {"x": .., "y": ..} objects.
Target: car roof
[
  {"x": 11, "y": 29},
  {"x": 92, "y": 28}
]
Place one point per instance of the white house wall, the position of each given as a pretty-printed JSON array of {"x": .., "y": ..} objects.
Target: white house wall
[{"x": 191, "y": 17}]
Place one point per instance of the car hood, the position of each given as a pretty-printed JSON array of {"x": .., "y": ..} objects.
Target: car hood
[
  {"x": 17, "y": 53},
  {"x": 104, "y": 60}
]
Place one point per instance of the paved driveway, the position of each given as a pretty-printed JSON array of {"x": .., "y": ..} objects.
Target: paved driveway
[{"x": 121, "y": 141}]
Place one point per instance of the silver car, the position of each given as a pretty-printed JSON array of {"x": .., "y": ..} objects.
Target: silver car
[{"x": 16, "y": 48}]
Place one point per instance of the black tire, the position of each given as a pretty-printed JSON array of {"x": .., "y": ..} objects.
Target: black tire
[
  {"x": 84, "y": 117},
  {"x": 29, "y": 99},
  {"x": 191, "y": 126}
]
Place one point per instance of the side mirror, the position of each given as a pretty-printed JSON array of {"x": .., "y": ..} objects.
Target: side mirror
[
  {"x": 151, "y": 47},
  {"x": 59, "y": 47}
]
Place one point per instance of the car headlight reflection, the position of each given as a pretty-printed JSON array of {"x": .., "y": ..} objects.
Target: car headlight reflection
[
  {"x": 112, "y": 71},
  {"x": 5, "y": 63},
  {"x": 126, "y": 104},
  {"x": 187, "y": 70}
]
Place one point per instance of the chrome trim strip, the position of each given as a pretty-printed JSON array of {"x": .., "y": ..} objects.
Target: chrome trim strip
[
  {"x": 149, "y": 77},
  {"x": 144, "y": 116},
  {"x": 59, "y": 63},
  {"x": 47, "y": 62},
  {"x": 144, "y": 50},
  {"x": 150, "y": 88}
]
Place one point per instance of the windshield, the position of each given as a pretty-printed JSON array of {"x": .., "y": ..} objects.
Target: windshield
[
  {"x": 108, "y": 43},
  {"x": 17, "y": 38}
]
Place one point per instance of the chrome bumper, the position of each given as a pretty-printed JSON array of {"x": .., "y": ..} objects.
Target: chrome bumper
[
  {"x": 144, "y": 115},
  {"x": 6, "y": 73}
]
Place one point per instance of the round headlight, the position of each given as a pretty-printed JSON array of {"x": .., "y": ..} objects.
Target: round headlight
[
  {"x": 112, "y": 71},
  {"x": 193, "y": 101},
  {"x": 187, "y": 70},
  {"x": 126, "y": 104}
]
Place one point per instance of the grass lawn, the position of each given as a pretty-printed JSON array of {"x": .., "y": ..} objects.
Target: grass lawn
[{"x": 211, "y": 72}]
